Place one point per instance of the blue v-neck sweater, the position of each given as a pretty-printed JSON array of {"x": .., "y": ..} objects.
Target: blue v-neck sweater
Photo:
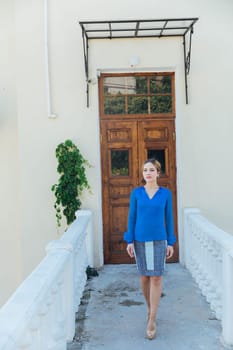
[{"x": 150, "y": 219}]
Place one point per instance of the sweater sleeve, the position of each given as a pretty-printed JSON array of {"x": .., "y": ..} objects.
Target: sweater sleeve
[
  {"x": 129, "y": 235},
  {"x": 171, "y": 239}
]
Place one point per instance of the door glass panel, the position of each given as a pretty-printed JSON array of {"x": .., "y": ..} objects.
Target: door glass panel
[
  {"x": 115, "y": 86},
  {"x": 161, "y": 104},
  {"x": 158, "y": 154},
  {"x": 141, "y": 85},
  {"x": 114, "y": 105},
  {"x": 160, "y": 84},
  {"x": 137, "y": 105},
  {"x": 128, "y": 85},
  {"x": 119, "y": 163}
]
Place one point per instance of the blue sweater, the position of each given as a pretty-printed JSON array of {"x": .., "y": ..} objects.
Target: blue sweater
[{"x": 150, "y": 219}]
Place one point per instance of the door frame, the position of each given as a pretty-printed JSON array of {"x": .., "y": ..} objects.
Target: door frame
[{"x": 169, "y": 70}]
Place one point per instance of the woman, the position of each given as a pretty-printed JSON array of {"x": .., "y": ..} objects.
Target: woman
[{"x": 150, "y": 236}]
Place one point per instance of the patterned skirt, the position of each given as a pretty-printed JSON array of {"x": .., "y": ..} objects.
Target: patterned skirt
[{"x": 150, "y": 257}]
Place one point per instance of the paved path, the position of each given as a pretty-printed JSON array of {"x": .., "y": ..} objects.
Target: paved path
[{"x": 113, "y": 313}]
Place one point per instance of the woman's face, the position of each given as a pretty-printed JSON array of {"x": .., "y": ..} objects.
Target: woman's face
[{"x": 150, "y": 173}]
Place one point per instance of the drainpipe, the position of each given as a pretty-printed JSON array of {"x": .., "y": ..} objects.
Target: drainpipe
[{"x": 47, "y": 72}]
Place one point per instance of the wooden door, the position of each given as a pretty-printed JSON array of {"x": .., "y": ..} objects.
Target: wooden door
[
  {"x": 119, "y": 176},
  {"x": 156, "y": 139},
  {"x": 124, "y": 147}
]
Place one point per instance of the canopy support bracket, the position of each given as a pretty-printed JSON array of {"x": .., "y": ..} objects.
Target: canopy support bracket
[
  {"x": 86, "y": 62},
  {"x": 187, "y": 60}
]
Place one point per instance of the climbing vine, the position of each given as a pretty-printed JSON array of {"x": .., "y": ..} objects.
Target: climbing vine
[{"x": 72, "y": 181}]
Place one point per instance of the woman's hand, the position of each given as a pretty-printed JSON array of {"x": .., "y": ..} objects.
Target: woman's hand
[
  {"x": 130, "y": 249},
  {"x": 170, "y": 251}
]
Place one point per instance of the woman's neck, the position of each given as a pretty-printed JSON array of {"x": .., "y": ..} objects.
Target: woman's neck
[{"x": 152, "y": 185}]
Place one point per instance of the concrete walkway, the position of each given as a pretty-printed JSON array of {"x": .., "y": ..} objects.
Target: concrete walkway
[{"x": 113, "y": 313}]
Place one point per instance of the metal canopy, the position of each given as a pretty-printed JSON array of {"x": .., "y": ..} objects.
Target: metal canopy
[{"x": 147, "y": 28}]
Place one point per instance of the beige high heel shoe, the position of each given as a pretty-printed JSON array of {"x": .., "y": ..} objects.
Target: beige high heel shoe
[{"x": 151, "y": 333}]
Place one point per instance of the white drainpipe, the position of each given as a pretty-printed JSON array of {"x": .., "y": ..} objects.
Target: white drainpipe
[{"x": 47, "y": 72}]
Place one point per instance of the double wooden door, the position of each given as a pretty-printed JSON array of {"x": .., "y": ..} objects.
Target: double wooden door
[{"x": 125, "y": 144}]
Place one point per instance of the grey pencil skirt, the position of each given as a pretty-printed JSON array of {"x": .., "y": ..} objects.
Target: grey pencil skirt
[{"x": 150, "y": 257}]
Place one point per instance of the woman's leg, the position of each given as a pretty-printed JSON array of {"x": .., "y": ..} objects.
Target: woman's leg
[
  {"x": 145, "y": 285},
  {"x": 155, "y": 294}
]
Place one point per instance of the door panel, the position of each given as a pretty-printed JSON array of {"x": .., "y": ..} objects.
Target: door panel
[
  {"x": 157, "y": 140},
  {"x": 124, "y": 147},
  {"x": 119, "y": 171}
]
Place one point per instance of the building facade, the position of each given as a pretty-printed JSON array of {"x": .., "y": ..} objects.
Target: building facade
[{"x": 44, "y": 102}]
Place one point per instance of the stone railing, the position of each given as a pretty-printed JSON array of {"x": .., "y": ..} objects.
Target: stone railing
[
  {"x": 209, "y": 257},
  {"x": 40, "y": 315}
]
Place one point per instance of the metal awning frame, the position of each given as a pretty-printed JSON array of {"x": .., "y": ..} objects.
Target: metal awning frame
[{"x": 158, "y": 28}]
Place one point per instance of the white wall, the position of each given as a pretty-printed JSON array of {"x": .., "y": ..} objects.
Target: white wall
[
  {"x": 208, "y": 120},
  {"x": 10, "y": 250},
  {"x": 39, "y": 135},
  {"x": 203, "y": 127}
]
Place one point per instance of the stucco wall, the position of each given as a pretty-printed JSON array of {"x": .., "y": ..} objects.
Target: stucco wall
[
  {"x": 10, "y": 250},
  {"x": 203, "y": 127},
  {"x": 208, "y": 120}
]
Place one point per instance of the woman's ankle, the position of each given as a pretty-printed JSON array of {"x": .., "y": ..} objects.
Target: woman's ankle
[
  {"x": 151, "y": 318},
  {"x": 151, "y": 325}
]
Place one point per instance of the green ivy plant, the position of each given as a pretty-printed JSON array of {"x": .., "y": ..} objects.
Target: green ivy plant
[{"x": 72, "y": 181}]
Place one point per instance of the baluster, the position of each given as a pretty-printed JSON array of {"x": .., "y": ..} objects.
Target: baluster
[
  {"x": 206, "y": 260},
  {"x": 80, "y": 272},
  {"x": 203, "y": 263},
  {"x": 198, "y": 254},
  {"x": 210, "y": 285},
  {"x": 44, "y": 328},
  {"x": 194, "y": 254},
  {"x": 227, "y": 321},
  {"x": 58, "y": 335},
  {"x": 189, "y": 251},
  {"x": 89, "y": 238},
  {"x": 217, "y": 295},
  {"x": 220, "y": 282},
  {"x": 61, "y": 331},
  {"x": 34, "y": 328},
  {"x": 77, "y": 279},
  {"x": 25, "y": 341},
  {"x": 68, "y": 297}
]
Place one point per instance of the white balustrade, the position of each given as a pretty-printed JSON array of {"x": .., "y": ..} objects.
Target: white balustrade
[
  {"x": 40, "y": 315},
  {"x": 209, "y": 257}
]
